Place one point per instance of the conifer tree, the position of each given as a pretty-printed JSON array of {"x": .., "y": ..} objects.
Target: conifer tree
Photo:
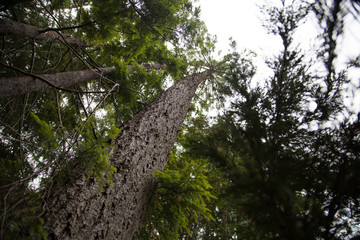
[
  {"x": 290, "y": 168},
  {"x": 50, "y": 136},
  {"x": 78, "y": 210},
  {"x": 29, "y": 31},
  {"x": 14, "y": 86}
]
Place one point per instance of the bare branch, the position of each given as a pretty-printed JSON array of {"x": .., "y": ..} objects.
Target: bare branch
[{"x": 21, "y": 29}]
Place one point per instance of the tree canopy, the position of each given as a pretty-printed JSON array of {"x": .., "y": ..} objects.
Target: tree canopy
[
  {"x": 285, "y": 152},
  {"x": 281, "y": 160},
  {"x": 46, "y": 134}
]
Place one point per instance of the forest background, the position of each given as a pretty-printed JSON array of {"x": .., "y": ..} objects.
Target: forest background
[{"x": 280, "y": 160}]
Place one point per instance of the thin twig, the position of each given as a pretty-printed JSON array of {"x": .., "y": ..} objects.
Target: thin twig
[
  {"x": 17, "y": 49},
  {"x": 92, "y": 60},
  {"x": 4, "y": 212},
  {"x": 86, "y": 114},
  {"x": 21, "y": 123},
  {"x": 58, "y": 107},
  {"x": 18, "y": 182},
  {"x": 33, "y": 56},
  {"x": 86, "y": 62},
  {"x": 58, "y": 61},
  {"x": 23, "y": 140},
  {"x": 66, "y": 28},
  {"x": 53, "y": 17},
  {"x": 47, "y": 56},
  {"x": 93, "y": 112},
  {"x": 64, "y": 153}
]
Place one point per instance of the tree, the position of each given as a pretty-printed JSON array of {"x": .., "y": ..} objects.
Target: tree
[
  {"x": 180, "y": 198},
  {"x": 48, "y": 137},
  {"x": 10, "y": 87},
  {"x": 287, "y": 178},
  {"x": 13, "y": 86},
  {"x": 78, "y": 210},
  {"x": 29, "y": 31}
]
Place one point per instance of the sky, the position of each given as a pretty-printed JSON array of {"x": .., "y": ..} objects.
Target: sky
[
  {"x": 238, "y": 19},
  {"x": 241, "y": 20}
]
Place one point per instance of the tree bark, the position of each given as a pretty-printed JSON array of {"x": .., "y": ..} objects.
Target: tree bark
[
  {"x": 14, "y": 86},
  {"x": 22, "y": 29},
  {"x": 80, "y": 211}
]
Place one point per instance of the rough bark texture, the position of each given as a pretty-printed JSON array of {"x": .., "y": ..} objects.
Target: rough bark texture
[
  {"x": 13, "y": 86},
  {"x": 80, "y": 211},
  {"x": 21, "y": 29}
]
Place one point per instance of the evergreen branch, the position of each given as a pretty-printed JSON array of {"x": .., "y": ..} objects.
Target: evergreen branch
[
  {"x": 88, "y": 64},
  {"x": 34, "y": 174},
  {"x": 142, "y": 16}
]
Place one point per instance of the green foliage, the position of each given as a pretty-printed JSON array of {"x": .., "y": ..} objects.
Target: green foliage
[
  {"x": 45, "y": 131},
  {"x": 47, "y": 135},
  {"x": 19, "y": 205},
  {"x": 95, "y": 152},
  {"x": 180, "y": 198},
  {"x": 25, "y": 224},
  {"x": 284, "y": 179}
]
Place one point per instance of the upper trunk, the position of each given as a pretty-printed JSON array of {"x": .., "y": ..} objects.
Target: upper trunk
[
  {"x": 21, "y": 29},
  {"x": 80, "y": 211}
]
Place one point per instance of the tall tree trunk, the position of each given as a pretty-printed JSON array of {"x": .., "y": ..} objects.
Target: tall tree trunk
[
  {"x": 80, "y": 211},
  {"x": 14, "y": 86},
  {"x": 22, "y": 29}
]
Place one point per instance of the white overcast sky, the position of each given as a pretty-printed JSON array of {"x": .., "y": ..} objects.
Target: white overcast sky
[
  {"x": 235, "y": 18},
  {"x": 241, "y": 20}
]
